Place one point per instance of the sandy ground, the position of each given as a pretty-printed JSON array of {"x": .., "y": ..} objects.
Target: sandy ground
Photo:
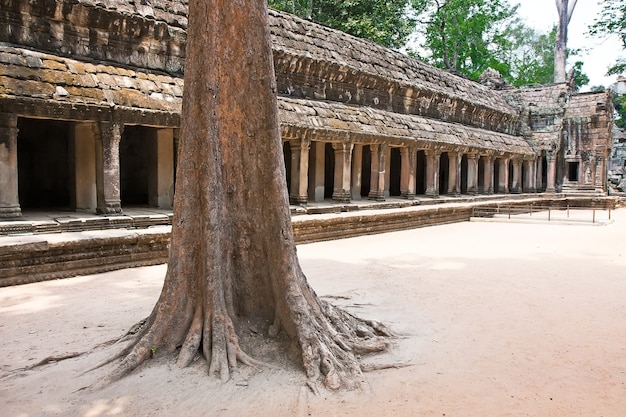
[{"x": 497, "y": 319}]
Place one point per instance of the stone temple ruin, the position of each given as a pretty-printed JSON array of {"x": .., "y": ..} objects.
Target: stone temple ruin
[{"x": 90, "y": 101}]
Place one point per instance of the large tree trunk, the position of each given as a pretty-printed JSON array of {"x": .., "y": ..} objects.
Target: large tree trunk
[
  {"x": 565, "y": 10},
  {"x": 232, "y": 250}
]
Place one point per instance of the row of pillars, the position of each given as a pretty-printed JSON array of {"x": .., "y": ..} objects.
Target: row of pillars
[
  {"x": 97, "y": 167},
  {"x": 348, "y": 172}
]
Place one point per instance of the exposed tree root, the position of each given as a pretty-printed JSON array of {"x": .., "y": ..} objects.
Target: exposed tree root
[
  {"x": 370, "y": 367},
  {"x": 332, "y": 348}
]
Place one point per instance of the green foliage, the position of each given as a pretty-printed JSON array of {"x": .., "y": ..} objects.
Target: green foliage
[
  {"x": 531, "y": 56},
  {"x": 465, "y": 36},
  {"x": 384, "y": 22},
  {"x": 612, "y": 21},
  {"x": 580, "y": 78}
]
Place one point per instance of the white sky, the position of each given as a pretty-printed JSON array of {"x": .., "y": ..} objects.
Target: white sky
[{"x": 598, "y": 54}]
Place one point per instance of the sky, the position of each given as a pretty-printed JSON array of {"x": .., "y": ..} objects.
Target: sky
[{"x": 598, "y": 54}]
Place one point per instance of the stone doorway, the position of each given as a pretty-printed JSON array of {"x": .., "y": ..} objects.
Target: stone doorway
[
  {"x": 444, "y": 173},
  {"x": 395, "y": 172},
  {"x": 420, "y": 176},
  {"x": 44, "y": 164}
]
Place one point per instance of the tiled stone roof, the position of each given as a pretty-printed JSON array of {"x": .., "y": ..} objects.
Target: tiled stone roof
[
  {"x": 57, "y": 80},
  {"x": 320, "y": 43},
  {"x": 35, "y": 75},
  {"x": 331, "y": 121}
]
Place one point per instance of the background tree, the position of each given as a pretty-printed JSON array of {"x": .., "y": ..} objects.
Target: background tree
[
  {"x": 565, "y": 9},
  {"x": 612, "y": 21},
  {"x": 233, "y": 259},
  {"x": 465, "y": 36},
  {"x": 384, "y": 22}
]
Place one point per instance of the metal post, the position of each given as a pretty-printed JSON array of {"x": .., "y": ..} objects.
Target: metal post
[
  {"x": 594, "y": 216},
  {"x": 548, "y": 213}
]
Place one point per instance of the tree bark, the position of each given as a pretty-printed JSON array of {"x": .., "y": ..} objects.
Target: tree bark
[
  {"x": 232, "y": 252},
  {"x": 565, "y": 10}
]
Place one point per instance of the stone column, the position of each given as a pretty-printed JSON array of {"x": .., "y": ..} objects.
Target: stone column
[
  {"x": 516, "y": 183},
  {"x": 533, "y": 176},
  {"x": 539, "y": 173},
  {"x": 357, "y": 172},
  {"x": 108, "y": 167},
  {"x": 343, "y": 168},
  {"x": 503, "y": 176},
  {"x": 162, "y": 180},
  {"x": 9, "y": 198},
  {"x": 316, "y": 168},
  {"x": 387, "y": 181},
  {"x": 454, "y": 173},
  {"x": 488, "y": 175},
  {"x": 432, "y": 172},
  {"x": 472, "y": 173},
  {"x": 551, "y": 178},
  {"x": 600, "y": 172},
  {"x": 84, "y": 147},
  {"x": 377, "y": 181},
  {"x": 526, "y": 178},
  {"x": 299, "y": 171},
  {"x": 408, "y": 156}
]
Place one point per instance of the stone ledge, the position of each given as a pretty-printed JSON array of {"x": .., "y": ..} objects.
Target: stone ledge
[{"x": 45, "y": 257}]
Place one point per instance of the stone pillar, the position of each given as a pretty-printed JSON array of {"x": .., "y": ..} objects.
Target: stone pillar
[
  {"x": 316, "y": 168},
  {"x": 600, "y": 172},
  {"x": 432, "y": 172},
  {"x": 357, "y": 172},
  {"x": 528, "y": 174},
  {"x": 539, "y": 173},
  {"x": 343, "y": 170},
  {"x": 299, "y": 171},
  {"x": 454, "y": 173},
  {"x": 533, "y": 176},
  {"x": 516, "y": 183},
  {"x": 503, "y": 176},
  {"x": 377, "y": 181},
  {"x": 387, "y": 181},
  {"x": 408, "y": 169},
  {"x": 488, "y": 175},
  {"x": 162, "y": 177},
  {"x": 84, "y": 147},
  {"x": 9, "y": 198},
  {"x": 108, "y": 167},
  {"x": 472, "y": 173},
  {"x": 551, "y": 177}
]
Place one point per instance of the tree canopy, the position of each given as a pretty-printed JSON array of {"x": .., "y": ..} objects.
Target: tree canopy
[
  {"x": 465, "y": 36},
  {"x": 462, "y": 36},
  {"x": 384, "y": 22}
]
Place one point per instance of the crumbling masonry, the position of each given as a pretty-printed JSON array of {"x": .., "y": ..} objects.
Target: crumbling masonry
[{"x": 90, "y": 100}]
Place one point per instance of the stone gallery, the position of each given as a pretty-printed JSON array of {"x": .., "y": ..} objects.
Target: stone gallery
[{"x": 90, "y": 101}]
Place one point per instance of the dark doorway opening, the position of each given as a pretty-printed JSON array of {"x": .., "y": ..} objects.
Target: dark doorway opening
[
  {"x": 44, "y": 164},
  {"x": 481, "y": 175},
  {"x": 287, "y": 157},
  {"x": 395, "y": 171},
  {"x": 464, "y": 168},
  {"x": 329, "y": 170},
  {"x": 137, "y": 158},
  {"x": 420, "y": 176},
  {"x": 444, "y": 173},
  {"x": 572, "y": 171},
  {"x": 366, "y": 171}
]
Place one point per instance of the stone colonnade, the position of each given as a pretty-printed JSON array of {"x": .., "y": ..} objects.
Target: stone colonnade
[
  {"x": 466, "y": 171},
  {"x": 94, "y": 149}
]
